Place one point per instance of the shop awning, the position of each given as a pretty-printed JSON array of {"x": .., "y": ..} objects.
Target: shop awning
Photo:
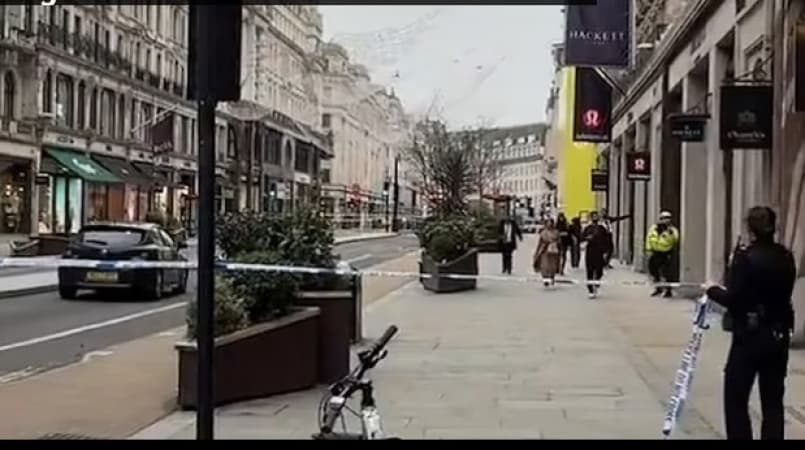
[
  {"x": 159, "y": 177},
  {"x": 82, "y": 166},
  {"x": 124, "y": 170}
]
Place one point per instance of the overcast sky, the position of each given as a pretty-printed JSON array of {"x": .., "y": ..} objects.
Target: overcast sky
[{"x": 469, "y": 62}]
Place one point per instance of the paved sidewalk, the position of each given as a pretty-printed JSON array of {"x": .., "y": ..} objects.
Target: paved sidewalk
[{"x": 509, "y": 360}]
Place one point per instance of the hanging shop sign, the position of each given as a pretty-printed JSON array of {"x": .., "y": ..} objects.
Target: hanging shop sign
[
  {"x": 599, "y": 34},
  {"x": 746, "y": 114},
  {"x": 638, "y": 166},
  {"x": 599, "y": 180},
  {"x": 162, "y": 135},
  {"x": 688, "y": 127},
  {"x": 592, "y": 109},
  {"x": 799, "y": 67}
]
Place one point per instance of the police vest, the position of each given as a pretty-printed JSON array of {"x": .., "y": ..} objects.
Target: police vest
[{"x": 662, "y": 242}]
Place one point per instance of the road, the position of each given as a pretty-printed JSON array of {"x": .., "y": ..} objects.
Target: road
[{"x": 40, "y": 332}]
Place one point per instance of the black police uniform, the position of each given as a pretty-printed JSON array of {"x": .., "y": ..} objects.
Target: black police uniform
[{"x": 758, "y": 301}]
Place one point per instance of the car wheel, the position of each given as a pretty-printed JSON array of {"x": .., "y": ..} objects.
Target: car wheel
[
  {"x": 181, "y": 288},
  {"x": 67, "y": 293},
  {"x": 158, "y": 288}
]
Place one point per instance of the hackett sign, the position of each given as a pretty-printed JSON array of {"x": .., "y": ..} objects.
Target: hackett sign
[
  {"x": 599, "y": 35},
  {"x": 687, "y": 127}
]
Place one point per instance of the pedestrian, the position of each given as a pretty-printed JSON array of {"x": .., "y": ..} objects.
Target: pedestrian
[
  {"x": 575, "y": 247},
  {"x": 597, "y": 239},
  {"x": 566, "y": 241},
  {"x": 508, "y": 234},
  {"x": 608, "y": 222},
  {"x": 759, "y": 284},
  {"x": 661, "y": 241},
  {"x": 546, "y": 256}
]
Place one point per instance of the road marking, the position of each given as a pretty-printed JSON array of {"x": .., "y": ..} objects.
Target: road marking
[
  {"x": 90, "y": 327},
  {"x": 20, "y": 374},
  {"x": 88, "y": 356},
  {"x": 359, "y": 258}
]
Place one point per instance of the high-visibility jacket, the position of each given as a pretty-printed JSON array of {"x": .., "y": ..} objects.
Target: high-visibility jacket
[{"x": 662, "y": 242}]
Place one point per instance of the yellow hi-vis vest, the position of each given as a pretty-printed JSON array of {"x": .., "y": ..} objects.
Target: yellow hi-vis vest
[{"x": 662, "y": 242}]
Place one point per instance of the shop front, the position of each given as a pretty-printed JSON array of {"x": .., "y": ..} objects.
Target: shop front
[
  {"x": 72, "y": 189},
  {"x": 15, "y": 197},
  {"x": 128, "y": 202},
  {"x": 161, "y": 188},
  {"x": 187, "y": 200}
]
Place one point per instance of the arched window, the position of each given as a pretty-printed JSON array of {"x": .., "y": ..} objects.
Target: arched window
[
  {"x": 47, "y": 92},
  {"x": 9, "y": 91}
]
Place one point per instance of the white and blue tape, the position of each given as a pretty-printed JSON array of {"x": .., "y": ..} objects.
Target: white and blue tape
[{"x": 108, "y": 265}]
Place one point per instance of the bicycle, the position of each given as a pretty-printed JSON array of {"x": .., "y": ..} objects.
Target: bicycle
[{"x": 338, "y": 394}]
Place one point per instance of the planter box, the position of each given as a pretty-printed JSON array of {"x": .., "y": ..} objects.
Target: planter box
[
  {"x": 463, "y": 265},
  {"x": 488, "y": 246},
  {"x": 263, "y": 360},
  {"x": 336, "y": 329}
]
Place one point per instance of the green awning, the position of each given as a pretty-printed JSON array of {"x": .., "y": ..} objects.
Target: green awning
[{"x": 82, "y": 166}]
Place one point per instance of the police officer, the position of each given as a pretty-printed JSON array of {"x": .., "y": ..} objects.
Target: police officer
[
  {"x": 757, "y": 296},
  {"x": 661, "y": 240}
]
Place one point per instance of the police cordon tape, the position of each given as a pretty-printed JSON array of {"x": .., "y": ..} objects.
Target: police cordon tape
[
  {"x": 684, "y": 375},
  {"x": 341, "y": 269}
]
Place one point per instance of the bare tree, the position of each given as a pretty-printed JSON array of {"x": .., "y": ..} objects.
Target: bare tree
[{"x": 451, "y": 166}]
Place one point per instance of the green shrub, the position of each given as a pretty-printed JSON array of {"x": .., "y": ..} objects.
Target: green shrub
[
  {"x": 446, "y": 238},
  {"x": 485, "y": 224},
  {"x": 230, "y": 310},
  {"x": 267, "y": 294}
]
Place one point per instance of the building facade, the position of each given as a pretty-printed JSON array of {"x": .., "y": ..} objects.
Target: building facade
[
  {"x": 87, "y": 84},
  {"x": 707, "y": 45},
  {"x": 519, "y": 166}
]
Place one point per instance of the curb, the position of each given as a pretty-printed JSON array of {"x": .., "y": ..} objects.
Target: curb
[{"x": 28, "y": 291}]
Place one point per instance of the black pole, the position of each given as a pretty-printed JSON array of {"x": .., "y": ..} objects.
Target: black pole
[
  {"x": 206, "y": 223},
  {"x": 396, "y": 195}
]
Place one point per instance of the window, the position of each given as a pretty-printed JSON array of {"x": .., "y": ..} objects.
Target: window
[
  {"x": 9, "y": 95},
  {"x": 121, "y": 45},
  {"x": 117, "y": 238},
  {"x": 147, "y": 66},
  {"x": 133, "y": 117},
  {"x": 108, "y": 108},
  {"x": 81, "y": 101},
  {"x": 65, "y": 23},
  {"x": 326, "y": 120},
  {"x": 93, "y": 109},
  {"x": 47, "y": 92},
  {"x": 192, "y": 142},
  {"x": 29, "y": 18},
  {"x": 137, "y": 55},
  {"x": 176, "y": 23},
  {"x": 159, "y": 26},
  {"x": 97, "y": 35},
  {"x": 107, "y": 45},
  {"x": 181, "y": 144},
  {"x": 121, "y": 117},
  {"x": 64, "y": 99}
]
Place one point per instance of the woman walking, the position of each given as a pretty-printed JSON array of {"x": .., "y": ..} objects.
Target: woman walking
[
  {"x": 546, "y": 257},
  {"x": 565, "y": 241},
  {"x": 575, "y": 248}
]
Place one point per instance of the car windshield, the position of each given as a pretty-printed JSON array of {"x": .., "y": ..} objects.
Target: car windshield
[{"x": 112, "y": 238}]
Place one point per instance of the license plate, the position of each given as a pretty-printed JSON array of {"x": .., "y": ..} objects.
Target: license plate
[{"x": 102, "y": 277}]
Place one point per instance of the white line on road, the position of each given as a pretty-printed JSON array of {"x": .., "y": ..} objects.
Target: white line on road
[
  {"x": 359, "y": 258},
  {"x": 90, "y": 327}
]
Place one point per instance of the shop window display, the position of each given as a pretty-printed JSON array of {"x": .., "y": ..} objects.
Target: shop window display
[{"x": 14, "y": 201}]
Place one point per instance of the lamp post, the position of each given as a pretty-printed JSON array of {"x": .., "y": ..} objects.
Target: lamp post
[{"x": 396, "y": 196}]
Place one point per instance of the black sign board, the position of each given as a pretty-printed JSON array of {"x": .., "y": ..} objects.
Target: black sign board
[
  {"x": 599, "y": 34},
  {"x": 592, "y": 113},
  {"x": 638, "y": 166},
  {"x": 688, "y": 127},
  {"x": 600, "y": 180},
  {"x": 162, "y": 135},
  {"x": 746, "y": 113}
]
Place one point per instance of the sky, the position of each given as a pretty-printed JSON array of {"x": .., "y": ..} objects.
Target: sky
[{"x": 467, "y": 63}]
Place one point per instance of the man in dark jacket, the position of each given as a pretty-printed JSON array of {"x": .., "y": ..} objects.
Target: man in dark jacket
[
  {"x": 760, "y": 281},
  {"x": 598, "y": 246},
  {"x": 508, "y": 235}
]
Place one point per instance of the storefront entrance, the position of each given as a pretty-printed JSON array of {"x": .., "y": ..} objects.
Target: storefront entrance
[
  {"x": 68, "y": 178},
  {"x": 15, "y": 197}
]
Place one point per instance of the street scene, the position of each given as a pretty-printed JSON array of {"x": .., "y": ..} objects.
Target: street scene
[{"x": 353, "y": 222}]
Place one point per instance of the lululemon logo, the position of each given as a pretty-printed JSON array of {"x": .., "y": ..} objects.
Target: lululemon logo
[
  {"x": 592, "y": 118},
  {"x": 639, "y": 165}
]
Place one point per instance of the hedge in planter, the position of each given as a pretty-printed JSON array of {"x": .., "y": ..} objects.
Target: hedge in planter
[
  {"x": 265, "y": 343},
  {"x": 448, "y": 248}
]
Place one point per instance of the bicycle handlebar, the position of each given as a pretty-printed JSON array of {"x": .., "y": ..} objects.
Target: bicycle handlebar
[{"x": 381, "y": 343}]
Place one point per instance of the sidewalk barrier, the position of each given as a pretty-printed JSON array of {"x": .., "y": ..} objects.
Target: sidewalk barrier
[
  {"x": 224, "y": 265},
  {"x": 684, "y": 375}
]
